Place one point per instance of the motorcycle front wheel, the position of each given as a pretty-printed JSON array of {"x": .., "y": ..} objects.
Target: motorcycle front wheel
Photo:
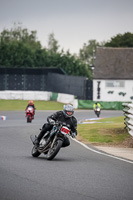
[
  {"x": 98, "y": 114},
  {"x": 54, "y": 150},
  {"x": 29, "y": 119},
  {"x": 35, "y": 152}
]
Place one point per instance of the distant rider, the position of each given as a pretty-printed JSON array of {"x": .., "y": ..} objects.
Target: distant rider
[
  {"x": 32, "y": 105},
  {"x": 96, "y": 105},
  {"x": 60, "y": 116}
]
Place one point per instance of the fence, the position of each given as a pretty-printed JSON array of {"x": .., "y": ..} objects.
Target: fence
[
  {"x": 128, "y": 113},
  {"x": 45, "y": 79},
  {"x": 78, "y": 86},
  {"x": 26, "y": 78}
]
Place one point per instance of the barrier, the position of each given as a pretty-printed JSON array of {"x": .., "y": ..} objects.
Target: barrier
[
  {"x": 39, "y": 95},
  {"x": 25, "y": 95},
  {"x": 128, "y": 113}
]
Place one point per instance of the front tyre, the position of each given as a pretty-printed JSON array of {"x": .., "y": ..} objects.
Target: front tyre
[
  {"x": 29, "y": 119},
  {"x": 54, "y": 150},
  {"x": 35, "y": 152},
  {"x": 97, "y": 114}
]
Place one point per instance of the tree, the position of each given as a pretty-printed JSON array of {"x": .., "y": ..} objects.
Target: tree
[
  {"x": 18, "y": 47},
  {"x": 73, "y": 66},
  {"x": 52, "y": 44},
  {"x": 87, "y": 53},
  {"x": 125, "y": 40}
]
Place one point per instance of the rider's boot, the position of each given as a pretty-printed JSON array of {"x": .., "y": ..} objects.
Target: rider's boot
[
  {"x": 46, "y": 127},
  {"x": 39, "y": 137}
]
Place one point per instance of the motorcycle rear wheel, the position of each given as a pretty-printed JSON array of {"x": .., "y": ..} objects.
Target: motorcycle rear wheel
[
  {"x": 35, "y": 152},
  {"x": 53, "y": 151}
]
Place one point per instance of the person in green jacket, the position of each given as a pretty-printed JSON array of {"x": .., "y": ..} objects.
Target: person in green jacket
[
  {"x": 96, "y": 104},
  {"x": 97, "y": 108}
]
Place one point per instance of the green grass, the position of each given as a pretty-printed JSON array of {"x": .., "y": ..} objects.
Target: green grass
[
  {"x": 21, "y": 105},
  {"x": 105, "y": 131}
]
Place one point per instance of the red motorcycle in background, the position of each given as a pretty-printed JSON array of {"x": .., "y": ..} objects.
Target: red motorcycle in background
[{"x": 30, "y": 114}]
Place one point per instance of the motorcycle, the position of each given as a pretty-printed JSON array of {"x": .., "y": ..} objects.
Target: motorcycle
[
  {"x": 30, "y": 114},
  {"x": 97, "y": 111},
  {"x": 52, "y": 141}
]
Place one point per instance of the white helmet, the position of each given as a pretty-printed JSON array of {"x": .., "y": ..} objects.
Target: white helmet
[{"x": 68, "y": 110}]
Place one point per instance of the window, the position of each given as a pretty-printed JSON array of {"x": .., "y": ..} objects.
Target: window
[{"x": 115, "y": 83}]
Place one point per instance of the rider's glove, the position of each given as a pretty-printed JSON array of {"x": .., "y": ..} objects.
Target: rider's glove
[
  {"x": 51, "y": 121},
  {"x": 73, "y": 135}
]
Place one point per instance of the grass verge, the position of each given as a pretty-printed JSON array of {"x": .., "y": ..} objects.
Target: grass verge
[
  {"x": 109, "y": 131},
  {"x": 21, "y": 105}
]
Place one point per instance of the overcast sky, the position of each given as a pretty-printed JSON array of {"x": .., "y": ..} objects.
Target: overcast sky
[{"x": 73, "y": 22}]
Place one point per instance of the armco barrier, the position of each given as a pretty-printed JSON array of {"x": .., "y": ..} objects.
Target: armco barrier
[{"x": 128, "y": 113}]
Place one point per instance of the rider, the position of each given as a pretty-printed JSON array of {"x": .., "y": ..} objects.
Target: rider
[
  {"x": 62, "y": 116},
  {"x": 95, "y": 105},
  {"x": 32, "y": 105}
]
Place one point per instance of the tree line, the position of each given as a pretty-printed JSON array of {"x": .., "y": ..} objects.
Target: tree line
[{"x": 20, "y": 48}]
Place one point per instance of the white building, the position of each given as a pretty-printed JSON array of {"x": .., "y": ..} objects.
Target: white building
[{"x": 113, "y": 74}]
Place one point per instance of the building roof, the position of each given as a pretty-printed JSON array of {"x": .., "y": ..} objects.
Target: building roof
[{"x": 113, "y": 63}]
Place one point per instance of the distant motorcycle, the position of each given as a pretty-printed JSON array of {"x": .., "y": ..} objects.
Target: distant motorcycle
[
  {"x": 52, "y": 141},
  {"x": 30, "y": 114},
  {"x": 97, "y": 111}
]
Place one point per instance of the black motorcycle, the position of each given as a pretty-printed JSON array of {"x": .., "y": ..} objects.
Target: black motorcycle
[
  {"x": 97, "y": 111},
  {"x": 52, "y": 141}
]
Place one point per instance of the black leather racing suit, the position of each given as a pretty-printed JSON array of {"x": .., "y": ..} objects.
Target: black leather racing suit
[{"x": 59, "y": 116}]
